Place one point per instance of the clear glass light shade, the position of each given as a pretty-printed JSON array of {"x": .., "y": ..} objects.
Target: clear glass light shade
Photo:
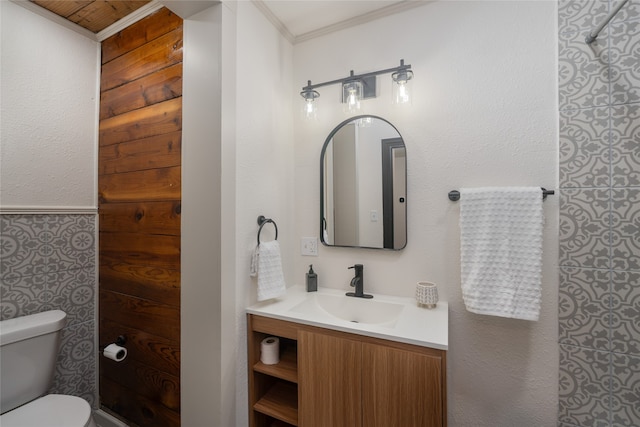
[
  {"x": 352, "y": 95},
  {"x": 310, "y": 109},
  {"x": 310, "y": 106},
  {"x": 402, "y": 87}
]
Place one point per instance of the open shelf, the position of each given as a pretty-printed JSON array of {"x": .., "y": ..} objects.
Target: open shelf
[
  {"x": 280, "y": 402},
  {"x": 286, "y": 369},
  {"x": 273, "y": 389}
]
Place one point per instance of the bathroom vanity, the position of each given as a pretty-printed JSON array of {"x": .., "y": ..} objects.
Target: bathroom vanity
[{"x": 348, "y": 362}]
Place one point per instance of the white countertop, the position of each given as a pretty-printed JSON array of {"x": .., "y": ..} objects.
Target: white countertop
[{"x": 414, "y": 325}]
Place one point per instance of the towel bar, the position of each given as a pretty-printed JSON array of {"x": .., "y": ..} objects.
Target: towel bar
[
  {"x": 454, "y": 195},
  {"x": 262, "y": 221}
]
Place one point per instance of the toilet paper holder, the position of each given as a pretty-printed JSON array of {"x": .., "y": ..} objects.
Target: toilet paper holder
[
  {"x": 116, "y": 351},
  {"x": 121, "y": 341}
]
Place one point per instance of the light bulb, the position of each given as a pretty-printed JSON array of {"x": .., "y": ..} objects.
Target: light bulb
[
  {"x": 352, "y": 101},
  {"x": 401, "y": 90},
  {"x": 403, "y": 94},
  {"x": 353, "y": 97},
  {"x": 309, "y": 108}
]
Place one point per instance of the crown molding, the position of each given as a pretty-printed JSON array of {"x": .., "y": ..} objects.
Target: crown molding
[
  {"x": 262, "y": 7},
  {"x": 128, "y": 20},
  {"x": 392, "y": 9},
  {"x": 155, "y": 5},
  {"x": 362, "y": 19}
]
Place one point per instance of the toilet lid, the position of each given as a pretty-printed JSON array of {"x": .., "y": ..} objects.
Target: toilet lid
[{"x": 52, "y": 410}]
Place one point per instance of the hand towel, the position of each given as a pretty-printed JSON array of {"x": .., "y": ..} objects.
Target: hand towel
[
  {"x": 266, "y": 264},
  {"x": 501, "y": 251}
]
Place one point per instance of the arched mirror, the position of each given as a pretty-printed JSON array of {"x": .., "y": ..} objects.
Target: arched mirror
[{"x": 363, "y": 185}]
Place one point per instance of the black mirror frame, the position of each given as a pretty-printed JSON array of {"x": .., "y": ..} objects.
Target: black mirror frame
[{"x": 322, "y": 189}]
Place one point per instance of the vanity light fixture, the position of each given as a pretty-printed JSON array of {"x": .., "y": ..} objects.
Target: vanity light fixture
[
  {"x": 401, "y": 89},
  {"x": 310, "y": 108},
  {"x": 352, "y": 95},
  {"x": 355, "y": 88}
]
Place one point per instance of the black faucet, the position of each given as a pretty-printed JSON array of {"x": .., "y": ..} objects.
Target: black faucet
[{"x": 358, "y": 283}]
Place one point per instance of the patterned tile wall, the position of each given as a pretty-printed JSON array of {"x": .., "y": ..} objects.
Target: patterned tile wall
[
  {"x": 599, "y": 297},
  {"x": 48, "y": 262}
]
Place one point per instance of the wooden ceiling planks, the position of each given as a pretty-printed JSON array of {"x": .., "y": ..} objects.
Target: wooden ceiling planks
[
  {"x": 63, "y": 8},
  {"x": 94, "y": 15}
]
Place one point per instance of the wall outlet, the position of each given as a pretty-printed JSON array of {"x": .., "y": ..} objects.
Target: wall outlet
[{"x": 309, "y": 246}]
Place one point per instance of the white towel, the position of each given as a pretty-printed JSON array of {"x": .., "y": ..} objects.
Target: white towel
[
  {"x": 266, "y": 264},
  {"x": 501, "y": 251}
]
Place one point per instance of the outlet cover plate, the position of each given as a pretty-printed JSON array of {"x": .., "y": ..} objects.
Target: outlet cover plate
[{"x": 309, "y": 246}]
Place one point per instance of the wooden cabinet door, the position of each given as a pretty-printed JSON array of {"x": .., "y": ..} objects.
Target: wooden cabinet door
[
  {"x": 401, "y": 388},
  {"x": 329, "y": 381}
]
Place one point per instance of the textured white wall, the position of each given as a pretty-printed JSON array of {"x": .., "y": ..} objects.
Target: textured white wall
[
  {"x": 264, "y": 162},
  {"x": 485, "y": 76},
  {"x": 49, "y": 86}
]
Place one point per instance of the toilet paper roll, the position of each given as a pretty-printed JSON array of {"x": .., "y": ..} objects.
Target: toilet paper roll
[
  {"x": 270, "y": 351},
  {"x": 115, "y": 352}
]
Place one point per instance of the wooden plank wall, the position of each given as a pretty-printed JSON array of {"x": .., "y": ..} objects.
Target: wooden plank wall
[{"x": 139, "y": 203}]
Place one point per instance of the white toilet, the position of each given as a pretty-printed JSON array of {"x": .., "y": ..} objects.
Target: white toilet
[{"x": 28, "y": 353}]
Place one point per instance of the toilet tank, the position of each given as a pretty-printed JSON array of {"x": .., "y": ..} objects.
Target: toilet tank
[{"x": 28, "y": 353}]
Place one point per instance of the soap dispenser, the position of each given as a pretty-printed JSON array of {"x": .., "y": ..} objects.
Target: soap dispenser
[{"x": 312, "y": 280}]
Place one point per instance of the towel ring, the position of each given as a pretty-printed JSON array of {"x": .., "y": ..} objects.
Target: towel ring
[{"x": 262, "y": 221}]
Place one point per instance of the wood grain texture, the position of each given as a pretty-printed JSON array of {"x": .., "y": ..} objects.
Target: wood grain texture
[
  {"x": 443, "y": 381},
  {"x": 141, "y": 249},
  {"x": 150, "y": 28},
  {"x": 139, "y": 184},
  {"x": 160, "y": 151},
  {"x": 329, "y": 381},
  {"x": 286, "y": 368},
  {"x": 280, "y": 402},
  {"x": 135, "y": 407},
  {"x": 99, "y": 14},
  {"x": 63, "y": 8},
  {"x": 398, "y": 384},
  {"x": 258, "y": 383},
  {"x": 156, "y": 119},
  {"x": 400, "y": 388},
  {"x": 156, "y": 87},
  {"x": 157, "y": 284},
  {"x": 148, "y": 185},
  {"x": 274, "y": 327},
  {"x": 154, "y": 318},
  {"x": 152, "y": 350},
  {"x": 160, "y": 53},
  {"x": 146, "y": 380},
  {"x": 141, "y": 217}
]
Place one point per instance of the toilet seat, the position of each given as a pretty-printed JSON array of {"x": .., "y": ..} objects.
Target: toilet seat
[{"x": 52, "y": 410}]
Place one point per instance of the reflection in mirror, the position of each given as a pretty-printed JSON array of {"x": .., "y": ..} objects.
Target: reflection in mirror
[{"x": 363, "y": 185}]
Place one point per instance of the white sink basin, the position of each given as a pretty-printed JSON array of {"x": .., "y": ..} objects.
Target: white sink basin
[
  {"x": 351, "y": 309},
  {"x": 386, "y": 317}
]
